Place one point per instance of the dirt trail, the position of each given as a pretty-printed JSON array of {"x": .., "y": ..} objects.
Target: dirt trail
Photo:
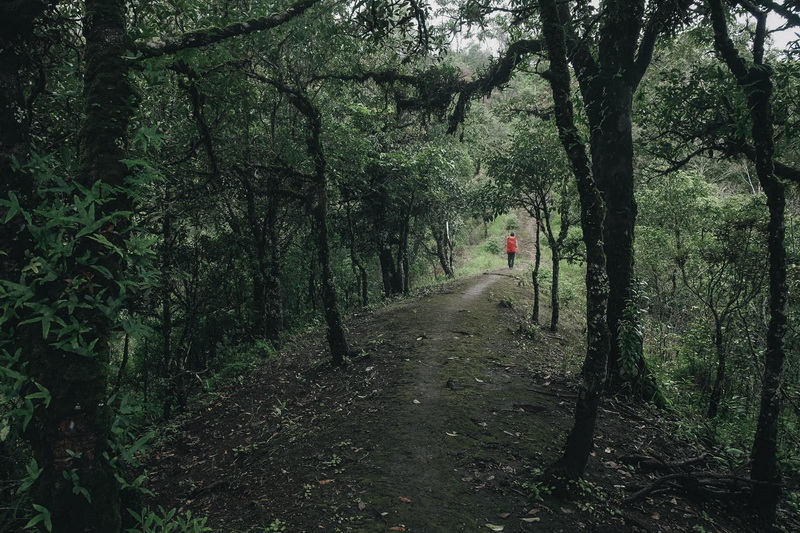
[
  {"x": 439, "y": 427},
  {"x": 420, "y": 452},
  {"x": 432, "y": 431}
]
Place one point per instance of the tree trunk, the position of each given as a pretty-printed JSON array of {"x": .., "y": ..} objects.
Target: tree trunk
[
  {"x": 554, "y": 300},
  {"x": 443, "y": 251},
  {"x": 70, "y": 437},
  {"x": 716, "y": 389},
  {"x": 607, "y": 84},
  {"x": 335, "y": 331},
  {"x": 392, "y": 283},
  {"x": 756, "y": 83},
  {"x": 337, "y": 340},
  {"x": 572, "y": 463},
  {"x": 537, "y": 261}
]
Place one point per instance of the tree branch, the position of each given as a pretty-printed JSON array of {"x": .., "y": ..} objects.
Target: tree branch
[
  {"x": 668, "y": 16},
  {"x": 497, "y": 75},
  {"x": 785, "y": 12},
  {"x": 207, "y": 36}
]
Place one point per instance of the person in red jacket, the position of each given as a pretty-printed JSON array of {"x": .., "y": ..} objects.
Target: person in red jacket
[{"x": 511, "y": 249}]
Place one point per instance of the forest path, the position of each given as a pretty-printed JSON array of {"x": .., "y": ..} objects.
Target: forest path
[
  {"x": 439, "y": 426},
  {"x": 434, "y": 429}
]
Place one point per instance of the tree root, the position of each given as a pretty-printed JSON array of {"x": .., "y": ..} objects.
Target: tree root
[{"x": 697, "y": 486}]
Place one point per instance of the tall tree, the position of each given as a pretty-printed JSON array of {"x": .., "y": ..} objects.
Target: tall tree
[
  {"x": 580, "y": 440},
  {"x": 755, "y": 80},
  {"x": 70, "y": 437},
  {"x": 609, "y": 66}
]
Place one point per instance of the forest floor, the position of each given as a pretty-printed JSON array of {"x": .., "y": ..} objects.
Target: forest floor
[{"x": 442, "y": 424}]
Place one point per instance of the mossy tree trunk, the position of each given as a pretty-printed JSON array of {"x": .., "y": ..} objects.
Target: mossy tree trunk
[
  {"x": 337, "y": 340},
  {"x": 572, "y": 463},
  {"x": 70, "y": 437},
  {"x": 755, "y": 80},
  {"x": 444, "y": 249},
  {"x": 608, "y": 77}
]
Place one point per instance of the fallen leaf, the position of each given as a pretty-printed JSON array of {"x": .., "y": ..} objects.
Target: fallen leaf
[
  {"x": 419, "y": 339},
  {"x": 566, "y": 511},
  {"x": 655, "y": 516},
  {"x": 362, "y": 506},
  {"x": 534, "y": 511},
  {"x": 534, "y": 519},
  {"x": 494, "y": 527},
  {"x": 479, "y": 380},
  {"x": 325, "y": 481},
  {"x": 416, "y": 401},
  {"x": 404, "y": 499},
  {"x": 504, "y": 515},
  {"x": 608, "y": 450},
  {"x": 453, "y": 434},
  {"x": 397, "y": 528}
]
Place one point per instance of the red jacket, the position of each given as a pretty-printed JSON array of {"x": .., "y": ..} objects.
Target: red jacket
[{"x": 511, "y": 245}]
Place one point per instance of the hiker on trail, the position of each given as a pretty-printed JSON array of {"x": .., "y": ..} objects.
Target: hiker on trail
[{"x": 511, "y": 249}]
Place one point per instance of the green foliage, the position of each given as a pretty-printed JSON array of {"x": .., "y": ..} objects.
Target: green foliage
[
  {"x": 276, "y": 526},
  {"x": 166, "y": 521},
  {"x": 66, "y": 270},
  {"x": 537, "y": 488},
  {"x": 493, "y": 246},
  {"x": 631, "y": 335},
  {"x": 42, "y": 517},
  {"x": 512, "y": 222}
]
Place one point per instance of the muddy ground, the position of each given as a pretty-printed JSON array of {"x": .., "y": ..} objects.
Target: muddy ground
[{"x": 441, "y": 424}]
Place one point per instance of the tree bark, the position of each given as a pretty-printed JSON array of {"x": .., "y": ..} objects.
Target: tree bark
[
  {"x": 70, "y": 437},
  {"x": 579, "y": 443},
  {"x": 555, "y": 301},
  {"x": 756, "y": 83},
  {"x": 337, "y": 340},
  {"x": 607, "y": 84},
  {"x": 719, "y": 379},
  {"x": 444, "y": 251},
  {"x": 537, "y": 262}
]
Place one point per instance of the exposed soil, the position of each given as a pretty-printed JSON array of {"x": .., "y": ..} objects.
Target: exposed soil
[{"x": 441, "y": 425}]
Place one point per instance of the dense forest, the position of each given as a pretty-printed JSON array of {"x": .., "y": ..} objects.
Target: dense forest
[{"x": 186, "y": 186}]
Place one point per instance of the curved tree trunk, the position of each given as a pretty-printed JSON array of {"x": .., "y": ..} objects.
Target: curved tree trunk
[
  {"x": 756, "y": 83},
  {"x": 579, "y": 443}
]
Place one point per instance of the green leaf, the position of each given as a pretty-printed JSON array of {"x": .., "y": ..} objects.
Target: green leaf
[
  {"x": 13, "y": 208},
  {"x": 43, "y": 516},
  {"x": 102, "y": 240}
]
